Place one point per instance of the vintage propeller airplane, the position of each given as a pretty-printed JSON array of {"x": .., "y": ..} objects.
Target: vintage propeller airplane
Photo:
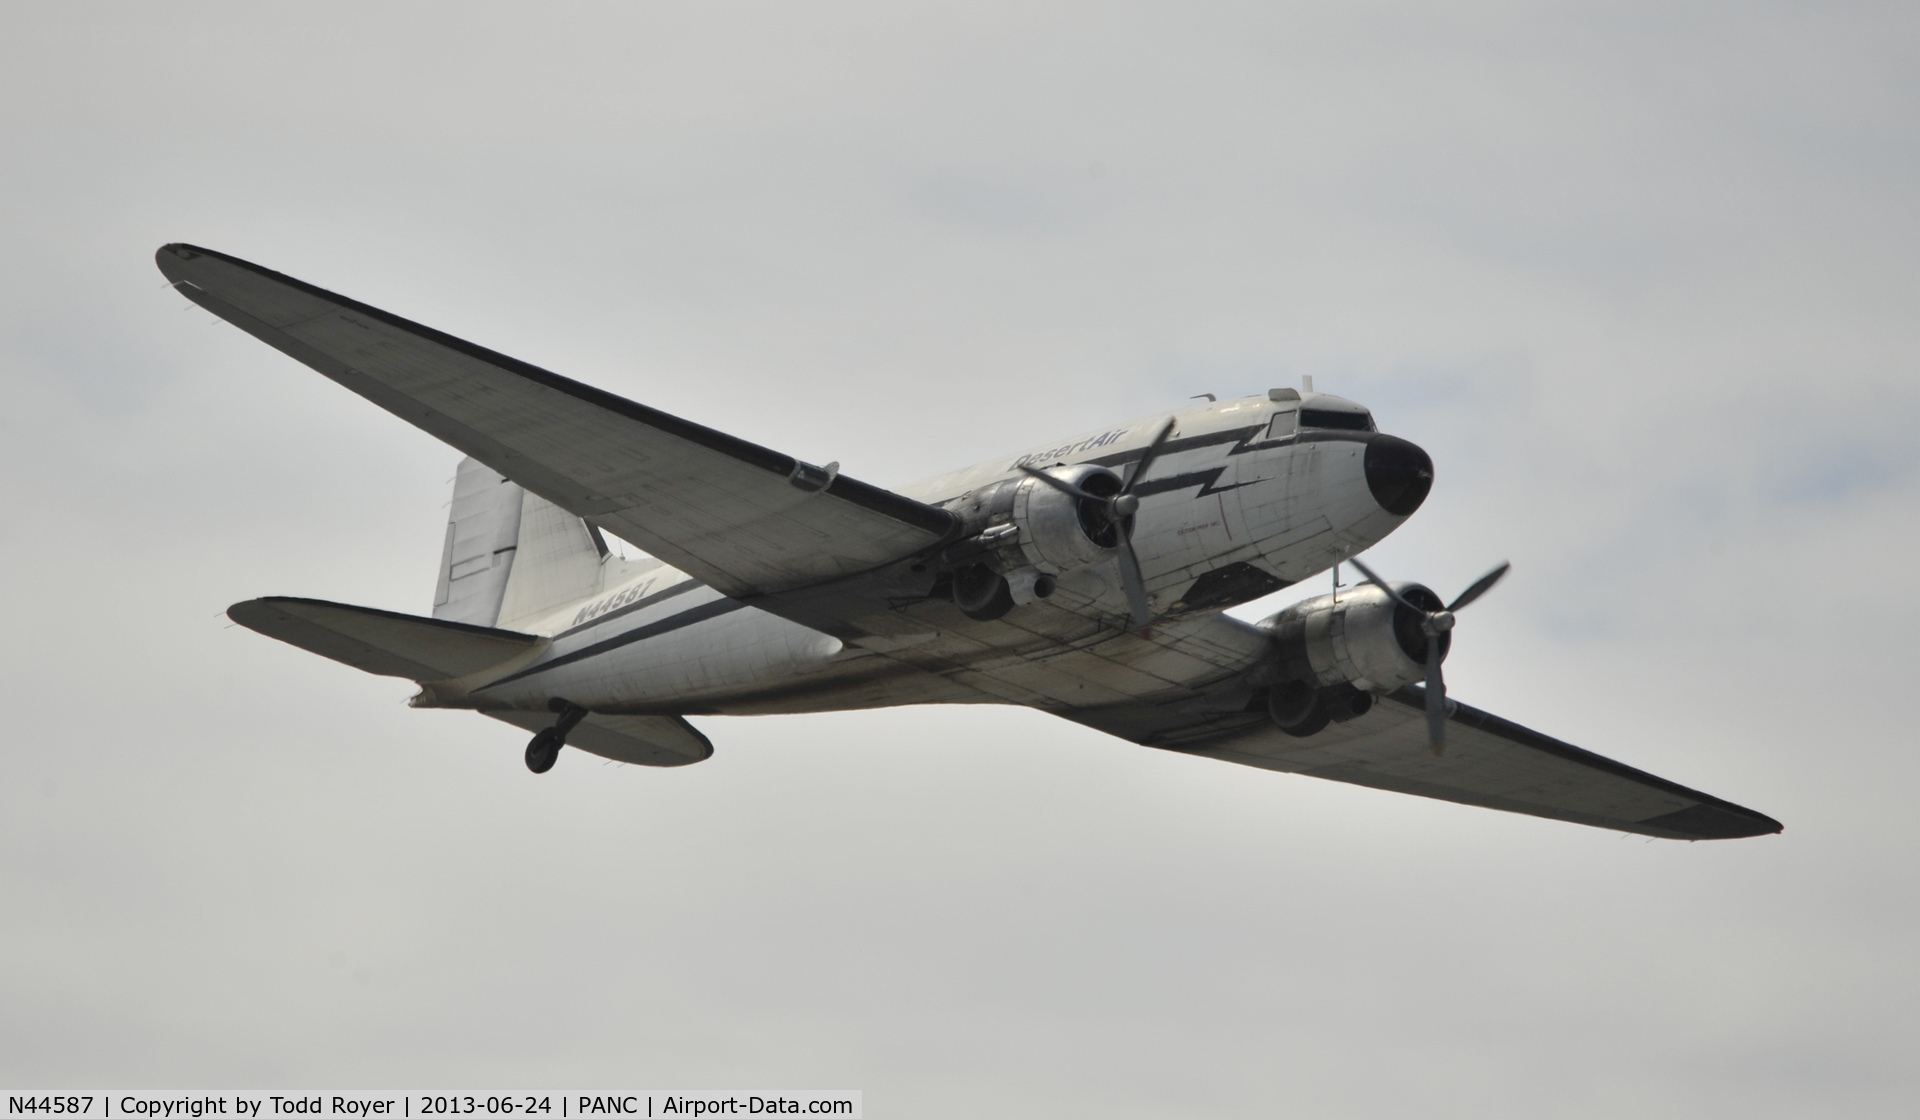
[{"x": 1086, "y": 579}]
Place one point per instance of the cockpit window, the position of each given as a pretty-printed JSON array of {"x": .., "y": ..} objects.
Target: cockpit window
[
  {"x": 1283, "y": 424},
  {"x": 1327, "y": 418}
]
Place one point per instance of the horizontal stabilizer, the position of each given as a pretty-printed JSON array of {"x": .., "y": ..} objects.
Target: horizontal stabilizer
[
  {"x": 382, "y": 642},
  {"x": 641, "y": 740}
]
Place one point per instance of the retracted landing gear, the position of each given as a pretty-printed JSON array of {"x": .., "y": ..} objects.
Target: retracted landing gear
[
  {"x": 1302, "y": 711},
  {"x": 544, "y": 751}
]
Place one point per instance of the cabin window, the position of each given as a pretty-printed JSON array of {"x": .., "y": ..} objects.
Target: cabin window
[
  {"x": 1283, "y": 424},
  {"x": 1328, "y": 418}
]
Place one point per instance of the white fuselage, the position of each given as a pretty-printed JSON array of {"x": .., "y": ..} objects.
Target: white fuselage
[{"x": 1241, "y": 491}]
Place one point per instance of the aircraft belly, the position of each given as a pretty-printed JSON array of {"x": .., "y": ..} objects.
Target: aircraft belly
[
  {"x": 679, "y": 661},
  {"x": 1073, "y": 666},
  {"x": 856, "y": 680}
]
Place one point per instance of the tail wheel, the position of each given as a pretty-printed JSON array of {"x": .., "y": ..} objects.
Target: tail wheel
[{"x": 543, "y": 751}]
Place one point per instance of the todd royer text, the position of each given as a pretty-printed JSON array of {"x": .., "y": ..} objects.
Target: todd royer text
[{"x": 398, "y": 1105}]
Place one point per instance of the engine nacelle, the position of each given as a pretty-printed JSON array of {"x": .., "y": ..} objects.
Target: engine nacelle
[
  {"x": 1020, "y": 533},
  {"x": 1060, "y": 533},
  {"x": 1361, "y": 638}
]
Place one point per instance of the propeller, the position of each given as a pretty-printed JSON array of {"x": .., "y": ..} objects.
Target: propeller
[
  {"x": 1118, "y": 508},
  {"x": 1435, "y": 625}
]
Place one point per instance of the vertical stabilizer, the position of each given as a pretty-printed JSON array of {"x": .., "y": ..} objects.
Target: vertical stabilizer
[
  {"x": 512, "y": 557},
  {"x": 483, "y": 534},
  {"x": 560, "y": 561}
]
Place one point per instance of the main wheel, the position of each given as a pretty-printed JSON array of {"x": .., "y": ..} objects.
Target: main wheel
[
  {"x": 543, "y": 752},
  {"x": 1297, "y": 709},
  {"x": 1314, "y": 725},
  {"x": 981, "y": 593}
]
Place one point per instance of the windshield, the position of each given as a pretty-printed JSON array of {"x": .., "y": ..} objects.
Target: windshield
[{"x": 1328, "y": 418}]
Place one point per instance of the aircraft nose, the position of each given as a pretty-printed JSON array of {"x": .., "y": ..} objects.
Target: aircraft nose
[{"x": 1398, "y": 473}]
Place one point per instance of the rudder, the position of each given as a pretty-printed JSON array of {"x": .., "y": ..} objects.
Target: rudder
[
  {"x": 483, "y": 535},
  {"x": 560, "y": 560}
]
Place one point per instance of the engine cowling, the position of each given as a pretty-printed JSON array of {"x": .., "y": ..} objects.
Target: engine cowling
[
  {"x": 1361, "y": 639},
  {"x": 1060, "y": 533},
  {"x": 1021, "y": 533}
]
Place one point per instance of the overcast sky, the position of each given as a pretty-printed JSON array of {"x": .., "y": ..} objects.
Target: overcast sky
[{"x": 1641, "y": 277}]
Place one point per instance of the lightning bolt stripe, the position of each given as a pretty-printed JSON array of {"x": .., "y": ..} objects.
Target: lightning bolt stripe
[
  {"x": 1243, "y": 440},
  {"x": 1203, "y": 479}
]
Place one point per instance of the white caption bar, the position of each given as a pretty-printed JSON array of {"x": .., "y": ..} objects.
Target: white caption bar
[{"x": 102, "y": 1104}]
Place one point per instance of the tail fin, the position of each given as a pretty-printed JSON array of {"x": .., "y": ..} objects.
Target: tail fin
[
  {"x": 561, "y": 559},
  {"x": 512, "y": 556},
  {"x": 483, "y": 535}
]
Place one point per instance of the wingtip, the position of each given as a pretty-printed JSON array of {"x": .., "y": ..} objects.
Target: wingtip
[
  {"x": 1715, "y": 820},
  {"x": 169, "y": 257},
  {"x": 249, "y": 613},
  {"x": 175, "y": 253},
  {"x": 1759, "y": 824}
]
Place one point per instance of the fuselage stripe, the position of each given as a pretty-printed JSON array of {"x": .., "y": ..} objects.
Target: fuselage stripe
[
  {"x": 685, "y": 618},
  {"x": 640, "y": 604}
]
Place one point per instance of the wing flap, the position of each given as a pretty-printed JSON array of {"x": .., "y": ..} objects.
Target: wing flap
[
  {"x": 382, "y": 642},
  {"x": 744, "y": 518}
]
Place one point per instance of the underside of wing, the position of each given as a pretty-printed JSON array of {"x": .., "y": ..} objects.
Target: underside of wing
[
  {"x": 747, "y": 520},
  {"x": 640, "y": 740},
  {"x": 383, "y": 642},
  {"x": 1488, "y": 761}
]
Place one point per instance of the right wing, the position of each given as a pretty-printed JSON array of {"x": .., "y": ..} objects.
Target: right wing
[
  {"x": 1489, "y": 762},
  {"x": 745, "y": 519}
]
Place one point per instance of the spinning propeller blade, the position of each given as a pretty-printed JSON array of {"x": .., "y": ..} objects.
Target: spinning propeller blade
[
  {"x": 1381, "y": 584},
  {"x": 1436, "y": 697},
  {"x": 1060, "y": 484},
  {"x": 1435, "y": 624},
  {"x": 1480, "y": 586},
  {"x": 1122, "y": 507},
  {"x": 1136, "y": 588},
  {"x": 1146, "y": 460}
]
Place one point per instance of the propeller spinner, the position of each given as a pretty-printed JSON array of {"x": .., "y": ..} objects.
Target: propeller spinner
[{"x": 1435, "y": 625}]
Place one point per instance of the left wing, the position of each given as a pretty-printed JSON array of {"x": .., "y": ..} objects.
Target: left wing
[
  {"x": 1489, "y": 762},
  {"x": 747, "y": 520}
]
